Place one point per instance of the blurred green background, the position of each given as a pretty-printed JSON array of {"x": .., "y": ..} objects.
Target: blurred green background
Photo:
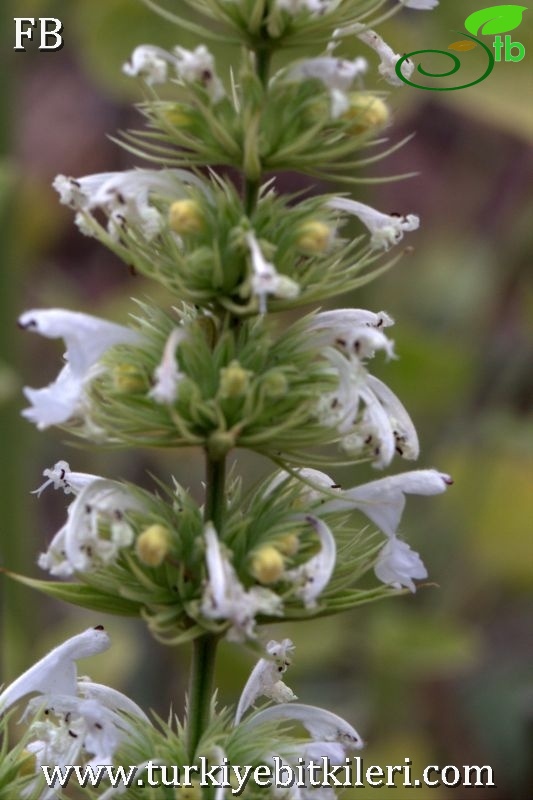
[{"x": 444, "y": 677}]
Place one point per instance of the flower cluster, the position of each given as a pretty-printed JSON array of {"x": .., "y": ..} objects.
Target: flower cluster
[{"x": 214, "y": 370}]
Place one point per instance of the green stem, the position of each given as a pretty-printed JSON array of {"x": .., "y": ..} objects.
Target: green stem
[
  {"x": 263, "y": 56},
  {"x": 215, "y": 489},
  {"x": 202, "y": 672},
  {"x": 202, "y": 668}
]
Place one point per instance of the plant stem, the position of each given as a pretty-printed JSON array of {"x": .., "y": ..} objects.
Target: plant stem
[
  {"x": 215, "y": 488},
  {"x": 202, "y": 667},
  {"x": 202, "y": 671}
]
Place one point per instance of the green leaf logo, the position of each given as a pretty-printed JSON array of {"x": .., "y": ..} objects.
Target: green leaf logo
[{"x": 496, "y": 19}]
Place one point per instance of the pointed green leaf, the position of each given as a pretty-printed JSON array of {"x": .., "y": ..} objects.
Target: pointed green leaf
[
  {"x": 496, "y": 19},
  {"x": 80, "y": 595}
]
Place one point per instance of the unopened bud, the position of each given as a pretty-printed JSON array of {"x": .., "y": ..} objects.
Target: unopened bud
[
  {"x": 127, "y": 379},
  {"x": 185, "y": 216},
  {"x": 26, "y": 764},
  {"x": 178, "y": 115},
  {"x": 314, "y": 237},
  {"x": 289, "y": 544},
  {"x": 275, "y": 384},
  {"x": 234, "y": 380},
  {"x": 193, "y": 791},
  {"x": 267, "y": 564},
  {"x": 366, "y": 112},
  {"x": 152, "y": 545}
]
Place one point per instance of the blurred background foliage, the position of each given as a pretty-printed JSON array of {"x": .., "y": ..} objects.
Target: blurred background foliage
[{"x": 444, "y": 677}]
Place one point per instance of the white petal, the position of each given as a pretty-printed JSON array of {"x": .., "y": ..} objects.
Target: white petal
[
  {"x": 311, "y": 578},
  {"x": 56, "y": 403},
  {"x": 56, "y": 672},
  {"x": 383, "y": 501},
  {"x": 397, "y": 565},
  {"x": 319, "y": 723},
  {"x": 167, "y": 374},
  {"x": 404, "y": 431},
  {"x": 420, "y": 5},
  {"x": 265, "y": 680},
  {"x": 87, "y": 337},
  {"x": 198, "y": 66},
  {"x": 150, "y": 63},
  {"x": 83, "y": 545},
  {"x": 62, "y": 477},
  {"x": 110, "y": 698},
  {"x": 335, "y": 73},
  {"x": 385, "y": 229}
]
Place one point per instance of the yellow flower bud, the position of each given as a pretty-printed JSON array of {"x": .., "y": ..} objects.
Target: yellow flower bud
[
  {"x": 366, "y": 113},
  {"x": 178, "y": 115},
  {"x": 185, "y": 216},
  {"x": 152, "y": 545},
  {"x": 127, "y": 379},
  {"x": 234, "y": 380},
  {"x": 314, "y": 237},
  {"x": 267, "y": 564},
  {"x": 26, "y": 764},
  {"x": 275, "y": 384},
  {"x": 289, "y": 544},
  {"x": 192, "y": 792}
]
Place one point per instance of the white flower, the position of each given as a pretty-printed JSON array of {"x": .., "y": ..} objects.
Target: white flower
[
  {"x": 312, "y": 577},
  {"x": 87, "y": 338},
  {"x": 265, "y": 278},
  {"x": 388, "y": 57},
  {"x": 198, "y": 66},
  {"x": 386, "y": 230},
  {"x": 265, "y": 679},
  {"x": 150, "y": 63},
  {"x": 56, "y": 673},
  {"x": 353, "y": 330},
  {"x": 310, "y": 487},
  {"x": 403, "y": 430},
  {"x": 337, "y": 75},
  {"x": 125, "y": 197},
  {"x": 191, "y": 66},
  {"x": 225, "y": 598},
  {"x": 79, "y": 545},
  {"x": 364, "y": 410},
  {"x": 420, "y": 5},
  {"x": 61, "y": 477},
  {"x": 397, "y": 565},
  {"x": 167, "y": 375},
  {"x": 82, "y": 719},
  {"x": 314, "y": 7},
  {"x": 383, "y": 501},
  {"x": 321, "y": 724}
]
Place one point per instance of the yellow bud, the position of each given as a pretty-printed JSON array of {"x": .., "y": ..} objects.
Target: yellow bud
[
  {"x": 234, "y": 380},
  {"x": 289, "y": 544},
  {"x": 26, "y": 764},
  {"x": 185, "y": 216},
  {"x": 314, "y": 237},
  {"x": 366, "y": 112},
  {"x": 192, "y": 792},
  {"x": 152, "y": 545},
  {"x": 275, "y": 384},
  {"x": 127, "y": 379},
  {"x": 178, "y": 115},
  {"x": 267, "y": 564}
]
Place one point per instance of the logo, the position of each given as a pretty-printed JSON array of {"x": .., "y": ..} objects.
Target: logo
[{"x": 492, "y": 21}]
